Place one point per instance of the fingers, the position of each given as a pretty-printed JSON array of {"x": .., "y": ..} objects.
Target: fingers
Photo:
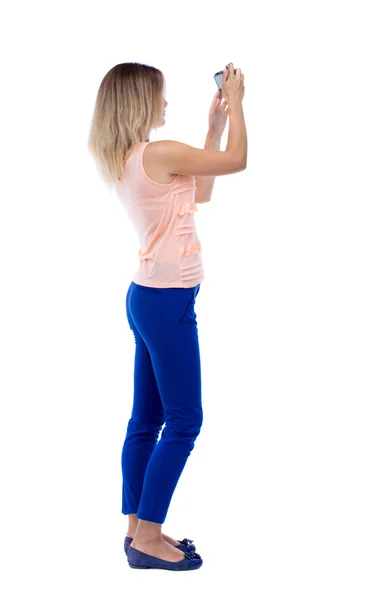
[{"x": 229, "y": 69}]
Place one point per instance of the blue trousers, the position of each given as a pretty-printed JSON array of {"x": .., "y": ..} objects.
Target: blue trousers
[{"x": 167, "y": 390}]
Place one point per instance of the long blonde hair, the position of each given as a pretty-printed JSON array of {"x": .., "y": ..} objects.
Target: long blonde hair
[{"x": 128, "y": 106}]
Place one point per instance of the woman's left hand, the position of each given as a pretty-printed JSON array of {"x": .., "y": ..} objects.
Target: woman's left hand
[{"x": 218, "y": 114}]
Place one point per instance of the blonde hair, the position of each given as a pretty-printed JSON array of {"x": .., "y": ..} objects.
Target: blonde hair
[{"x": 128, "y": 106}]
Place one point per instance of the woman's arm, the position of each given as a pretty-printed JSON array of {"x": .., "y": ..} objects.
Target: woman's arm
[{"x": 204, "y": 183}]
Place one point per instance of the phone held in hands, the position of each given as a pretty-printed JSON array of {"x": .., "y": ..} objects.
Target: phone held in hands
[{"x": 219, "y": 79}]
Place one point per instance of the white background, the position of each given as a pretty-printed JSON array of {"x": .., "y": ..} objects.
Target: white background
[{"x": 279, "y": 493}]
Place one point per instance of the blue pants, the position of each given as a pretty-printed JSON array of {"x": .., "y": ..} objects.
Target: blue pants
[{"x": 167, "y": 389}]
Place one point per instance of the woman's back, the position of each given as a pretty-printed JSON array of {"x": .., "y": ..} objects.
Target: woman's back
[{"x": 163, "y": 216}]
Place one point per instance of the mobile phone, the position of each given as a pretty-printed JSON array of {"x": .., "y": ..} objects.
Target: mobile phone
[{"x": 219, "y": 79}]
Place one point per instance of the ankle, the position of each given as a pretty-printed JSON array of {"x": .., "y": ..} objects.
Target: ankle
[
  {"x": 148, "y": 532},
  {"x": 131, "y": 534},
  {"x": 143, "y": 538}
]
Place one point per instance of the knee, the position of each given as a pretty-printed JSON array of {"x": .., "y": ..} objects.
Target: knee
[
  {"x": 199, "y": 421},
  {"x": 145, "y": 426},
  {"x": 186, "y": 426}
]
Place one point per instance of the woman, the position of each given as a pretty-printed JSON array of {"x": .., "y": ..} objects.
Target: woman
[{"x": 160, "y": 184}]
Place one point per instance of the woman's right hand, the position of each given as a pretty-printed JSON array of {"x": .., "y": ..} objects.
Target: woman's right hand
[{"x": 233, "y": 88}]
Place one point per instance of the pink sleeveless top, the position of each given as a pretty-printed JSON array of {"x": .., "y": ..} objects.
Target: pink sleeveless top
[{"x": 163, "y": 216}]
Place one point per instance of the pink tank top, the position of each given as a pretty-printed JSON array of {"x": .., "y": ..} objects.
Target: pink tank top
[{"x": 163, "y": 216}]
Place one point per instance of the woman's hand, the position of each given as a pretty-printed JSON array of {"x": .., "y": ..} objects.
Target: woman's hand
[{"x": 218, "y": 114}]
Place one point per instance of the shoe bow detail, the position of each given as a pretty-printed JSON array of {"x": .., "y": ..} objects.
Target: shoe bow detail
[{"x": 189, "y": 553}]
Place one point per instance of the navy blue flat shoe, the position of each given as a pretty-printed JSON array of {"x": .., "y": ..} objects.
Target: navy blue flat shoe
[
  {"x": 183, "y": 545},
  {"x": 141, "y": 560}
]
